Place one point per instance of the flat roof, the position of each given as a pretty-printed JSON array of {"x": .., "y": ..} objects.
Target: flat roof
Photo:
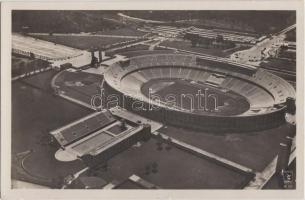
[{"x": 44, "y": 48}]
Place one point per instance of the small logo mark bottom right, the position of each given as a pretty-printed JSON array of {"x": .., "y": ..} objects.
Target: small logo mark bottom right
[{"x": 288, "y": 180}]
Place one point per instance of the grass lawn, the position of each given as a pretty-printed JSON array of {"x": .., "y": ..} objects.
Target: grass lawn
[
  {"x": 123, "y": 32},
  {"x": 174, "y": 168},
  {"x": 186, "y": 45},
  {"x": 35, "y": 112},
  {"x": 254, "y": 149},
  {"x": 138, "y": 47},
  {"x": 83, "y": 42},
  {"x": 89, "y": 84},
  {"x": 144, "y": 52},
  {"x": 21, "y": 65},
  {"x": 279, "y": 64}
]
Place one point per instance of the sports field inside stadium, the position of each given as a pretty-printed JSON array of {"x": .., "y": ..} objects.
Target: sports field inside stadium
[{"x": 190, "y": 96}]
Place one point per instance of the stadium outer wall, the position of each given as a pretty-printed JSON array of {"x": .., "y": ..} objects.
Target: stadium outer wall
[{"x": 220, "y": 124}]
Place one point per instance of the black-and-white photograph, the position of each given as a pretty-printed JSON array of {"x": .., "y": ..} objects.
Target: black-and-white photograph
[{"x": 153, "y": 99}]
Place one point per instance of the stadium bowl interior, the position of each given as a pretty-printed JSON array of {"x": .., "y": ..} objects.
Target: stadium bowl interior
[{"x": 240, "y": 97}]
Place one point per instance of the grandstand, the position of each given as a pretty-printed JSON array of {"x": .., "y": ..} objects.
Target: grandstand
[
  {"x": 82, "y": 128},
  {"x": 207, "y": 33},
  {"x": 96, "y": 137},
  {"x": 170, "y": 31},
  {"x": 264, "y": 92}
]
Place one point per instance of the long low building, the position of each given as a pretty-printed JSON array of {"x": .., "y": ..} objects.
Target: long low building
[
  {"x": 56, "y": 54},
  {"x": 41, "y": 49}
]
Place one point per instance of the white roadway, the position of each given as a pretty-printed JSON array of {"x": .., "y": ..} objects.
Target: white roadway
[
  {"x": 263, "y": 49},
  {"x": 139, "y": 19}
]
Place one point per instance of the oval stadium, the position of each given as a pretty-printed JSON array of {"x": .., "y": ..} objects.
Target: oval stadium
[{"x": 199, "y": 92}]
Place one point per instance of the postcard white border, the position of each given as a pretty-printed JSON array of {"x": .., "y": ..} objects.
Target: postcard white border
[{"x": 8, "y": 193}]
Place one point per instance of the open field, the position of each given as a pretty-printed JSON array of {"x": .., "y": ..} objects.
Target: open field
[
  {"x": 176, "y": 168},
  {"x": 79, "y": 85},
  {"x": 123, "y": 32},
  {"x": 283, "y": 68},
  {"x": 291, "y": 35},
  {"x": 31, "y": 125},
  {"x": 254, "y": 150},
  {"x": 235, "y": 104},
  {"x": 279, "y": 64},
  {"x": 64, "y": 21},
  {"x": 83, "y": 42},
  {"x": 243, "y": 21},
  {"x": 21, "y": 65},
  {"x": 138, "y": 47},
  {"x": 144, "y": 52},
  {"x": 186, "y": 45}
]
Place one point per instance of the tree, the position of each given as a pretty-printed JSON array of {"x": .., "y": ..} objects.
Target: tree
[
  {"x": 105, "y": 167},
  {"x": 160, "y": 147},
  {"x": 147, "y": 169},
  {"x": 194, "y": 38},
  {"x": 32, "y": 55},
  {"x": 159, "y": 142},
  {"x": 22, "y": 68},
  {"x": 154, "y": 167},
  {"x": 219, "y": 38},
  {"x": 58, "y": 181},
  {"x": 169, "y": 147}
]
